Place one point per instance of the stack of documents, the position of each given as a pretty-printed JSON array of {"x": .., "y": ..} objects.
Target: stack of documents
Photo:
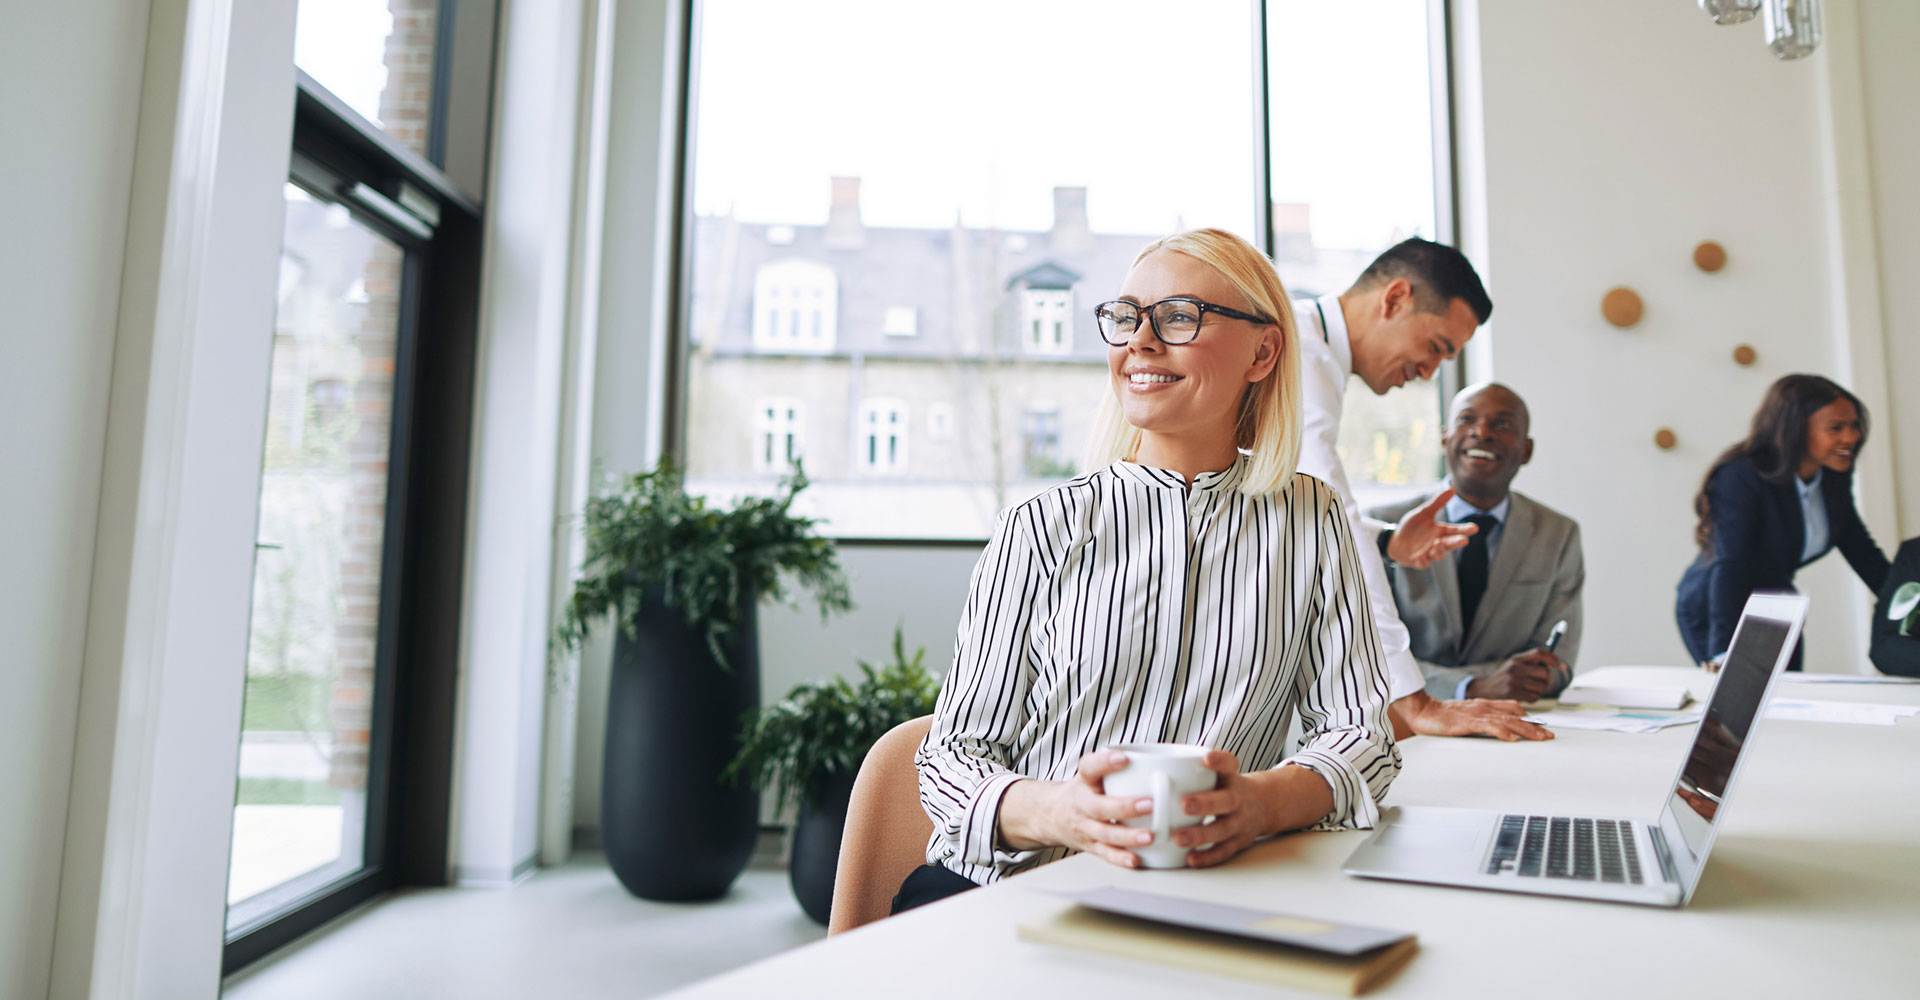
[
  {"x": 1634, "y": 720},
  {"x": 1661, "y": 696},
  {"x": 1613, "y": 720}
]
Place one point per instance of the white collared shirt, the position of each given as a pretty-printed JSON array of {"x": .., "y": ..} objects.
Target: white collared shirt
[
  {"x": 1326, "y": 362},
  {"x": 1813, "y": 513},
  {"x": 1458, "y": 510},
  {"x": 1126, "y": 606}
]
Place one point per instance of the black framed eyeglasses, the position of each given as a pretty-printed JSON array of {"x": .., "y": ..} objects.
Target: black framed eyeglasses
[{"x": 1173, "y": 321}]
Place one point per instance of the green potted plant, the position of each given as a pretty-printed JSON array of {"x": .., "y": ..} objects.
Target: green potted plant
[
  {"x": 684, "y": 580},
  {"x": 808, "y": 747}
]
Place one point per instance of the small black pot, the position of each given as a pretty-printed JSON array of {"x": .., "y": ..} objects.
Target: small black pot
[
  {"x": 816, "y": 844},
  {"x": 672, "y": 830}
]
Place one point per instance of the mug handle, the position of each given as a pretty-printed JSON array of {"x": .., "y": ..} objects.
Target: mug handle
[{"x": 1162, "y": 807}]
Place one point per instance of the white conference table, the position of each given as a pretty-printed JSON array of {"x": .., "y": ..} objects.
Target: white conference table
[{"x": 1813, "y": 887}]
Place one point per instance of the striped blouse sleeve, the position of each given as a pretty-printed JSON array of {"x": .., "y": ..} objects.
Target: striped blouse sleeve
[
  {"x": 965, "y": 762},
  {"x": 1342, "y": 684}
]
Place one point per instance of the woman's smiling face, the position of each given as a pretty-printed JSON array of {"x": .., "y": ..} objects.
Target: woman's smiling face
[
  {"x": 1193, "y": 390},
  {"x": 1833, "y": 435}
]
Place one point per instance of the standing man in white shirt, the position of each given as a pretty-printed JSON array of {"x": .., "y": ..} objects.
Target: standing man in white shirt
[{"x": 1414, "y": 307}]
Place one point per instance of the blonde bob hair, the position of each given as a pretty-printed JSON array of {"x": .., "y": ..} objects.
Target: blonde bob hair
[{"x": 1269, "y": 425}]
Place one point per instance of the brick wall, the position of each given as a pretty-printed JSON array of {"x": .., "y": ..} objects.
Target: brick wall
[{"x": 405, "y": 109}]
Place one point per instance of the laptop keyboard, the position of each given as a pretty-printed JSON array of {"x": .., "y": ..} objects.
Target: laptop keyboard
[{"x": 1588, "y": 850}]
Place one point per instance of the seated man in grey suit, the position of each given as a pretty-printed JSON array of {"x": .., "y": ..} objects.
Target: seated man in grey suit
[{"x": 1480, "y": 616}]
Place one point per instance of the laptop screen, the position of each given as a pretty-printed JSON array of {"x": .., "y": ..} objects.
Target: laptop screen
[{"x": 1757, "y": 649}]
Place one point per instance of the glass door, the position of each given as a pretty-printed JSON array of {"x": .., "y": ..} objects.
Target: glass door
[
  {"x": 300, "y": 819},
  {"x": 344, "y": 783}
]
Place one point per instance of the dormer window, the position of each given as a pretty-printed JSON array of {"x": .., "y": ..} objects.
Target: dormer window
[
  {"x": 795, "y": 307},
  {"x": 1045, "y": 293},
  {"x": 1046, "y": 320}
]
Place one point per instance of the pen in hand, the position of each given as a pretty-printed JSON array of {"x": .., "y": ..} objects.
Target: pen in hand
[
  {"x": 1553, "y": 637},
  {"x": 1553, "y": 640}
]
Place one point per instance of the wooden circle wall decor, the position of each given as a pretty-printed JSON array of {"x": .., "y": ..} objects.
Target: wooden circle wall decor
[
  {"x": 1744, "y": 355},
  {"x": 1664, "y": 438},
  {"x": 1709, "y": 256},
  {"x": 1622, "y": 307}
]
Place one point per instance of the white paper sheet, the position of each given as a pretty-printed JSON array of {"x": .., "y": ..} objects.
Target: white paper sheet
[
  {"x": 1846, "y": 679},
  {"x": 1856, "y": 712}
]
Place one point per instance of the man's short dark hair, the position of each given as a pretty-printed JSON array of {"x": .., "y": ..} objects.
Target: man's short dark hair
[{"x": 1438, "y": 273}]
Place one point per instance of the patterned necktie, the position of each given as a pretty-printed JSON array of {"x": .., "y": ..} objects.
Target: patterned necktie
[{"x": 1472, "y": 568}]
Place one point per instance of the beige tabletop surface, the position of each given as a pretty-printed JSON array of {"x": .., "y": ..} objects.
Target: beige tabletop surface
[{"x": 1812, "y": 889}]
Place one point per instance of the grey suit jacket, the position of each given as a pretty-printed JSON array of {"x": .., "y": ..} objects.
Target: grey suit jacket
[{"x": 1534, "y": 580}]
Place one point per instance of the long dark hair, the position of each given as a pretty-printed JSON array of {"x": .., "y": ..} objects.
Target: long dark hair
[{"x": 1778, "y": 440}]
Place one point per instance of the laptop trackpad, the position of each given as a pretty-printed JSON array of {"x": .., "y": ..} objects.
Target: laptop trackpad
[{"x": 1439, "y": 837}]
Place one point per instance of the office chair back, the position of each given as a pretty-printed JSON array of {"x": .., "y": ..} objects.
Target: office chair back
[{"x": 887, "y": 830}]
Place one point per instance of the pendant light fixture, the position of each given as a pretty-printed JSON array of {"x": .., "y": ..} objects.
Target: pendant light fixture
[
  {"x": 1730, "y": 11},
  {"x": 1791, "y": 27}
]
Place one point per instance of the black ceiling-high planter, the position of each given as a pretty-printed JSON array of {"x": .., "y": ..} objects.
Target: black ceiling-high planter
[
  {"x": 671, "y": 828},
  {"x": 817, "y": 830}
]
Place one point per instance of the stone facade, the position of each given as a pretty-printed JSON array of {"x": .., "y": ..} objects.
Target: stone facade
[{"x": 993, "y": 391}]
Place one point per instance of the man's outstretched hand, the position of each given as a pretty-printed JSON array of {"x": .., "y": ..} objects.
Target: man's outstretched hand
[
  {"x": 1421, "y": 537},
  {"x": 1422, "y": 713}
]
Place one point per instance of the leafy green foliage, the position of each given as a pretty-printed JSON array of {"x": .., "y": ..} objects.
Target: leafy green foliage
[
  {"x": 713, "y": 565},
  {"x": 826, "y": 727}
]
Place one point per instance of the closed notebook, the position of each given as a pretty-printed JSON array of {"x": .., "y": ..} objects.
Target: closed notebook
[
  {"x": 1667, "y": 696},
  {"x": 1326, "y": 957}
]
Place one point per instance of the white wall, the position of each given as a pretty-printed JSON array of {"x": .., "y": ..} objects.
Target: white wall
[
  {"x": 1889, "y": 31},
  {"x": 517, "y": 450},
  {"x": 142, "y": 894},
  {"x": 72, "y": 75},
  {"x": 1613, "y": 144}
]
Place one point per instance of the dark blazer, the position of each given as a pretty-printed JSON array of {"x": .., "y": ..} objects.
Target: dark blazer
[
  {"x": 1758, "y": 534},
  {"x": 1892, "y": 652}
]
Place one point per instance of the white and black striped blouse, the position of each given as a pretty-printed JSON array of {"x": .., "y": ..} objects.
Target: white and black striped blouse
[{"x": 1125, "y": 606}]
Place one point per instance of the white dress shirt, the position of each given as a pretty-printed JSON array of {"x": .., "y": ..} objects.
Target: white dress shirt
[
  {"x": 1813, "y": 513},
  {"x": 1126, "y": 606},
  {"x": 1326, "y": 362},
  {"x": 1458, "y": 510}
]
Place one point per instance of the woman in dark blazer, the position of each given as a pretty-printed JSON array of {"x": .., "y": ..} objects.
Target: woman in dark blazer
[{"x": 1756, "y": 502}]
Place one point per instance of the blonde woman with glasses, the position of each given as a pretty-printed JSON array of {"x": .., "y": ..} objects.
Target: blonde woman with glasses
[{"x": 1195, "y": 589}]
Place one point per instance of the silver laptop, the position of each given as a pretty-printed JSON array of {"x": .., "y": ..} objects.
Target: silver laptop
[{"x": 1656, "y": 862}]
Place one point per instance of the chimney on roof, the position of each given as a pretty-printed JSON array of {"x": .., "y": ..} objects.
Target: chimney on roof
[
  {"x": 845, "y": 231},
  {"x": 1071, "y": 234}
]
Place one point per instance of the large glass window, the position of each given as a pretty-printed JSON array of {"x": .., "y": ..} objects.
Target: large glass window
[
  {"x": 940, "y": 217},
  {"x": 345, "y": 757},
  {"x": 1354, "y": 150},
  {"x": 299, "y": 818},
  {"x": 939, "y": 236},
  {"x": 377, "y": 56}
]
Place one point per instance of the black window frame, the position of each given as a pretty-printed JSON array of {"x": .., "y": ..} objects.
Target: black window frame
[{"x": 340, "y": 157}]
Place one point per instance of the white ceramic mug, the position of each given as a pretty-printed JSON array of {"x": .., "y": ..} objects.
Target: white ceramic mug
[{"x": 1166, "y": 773}]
